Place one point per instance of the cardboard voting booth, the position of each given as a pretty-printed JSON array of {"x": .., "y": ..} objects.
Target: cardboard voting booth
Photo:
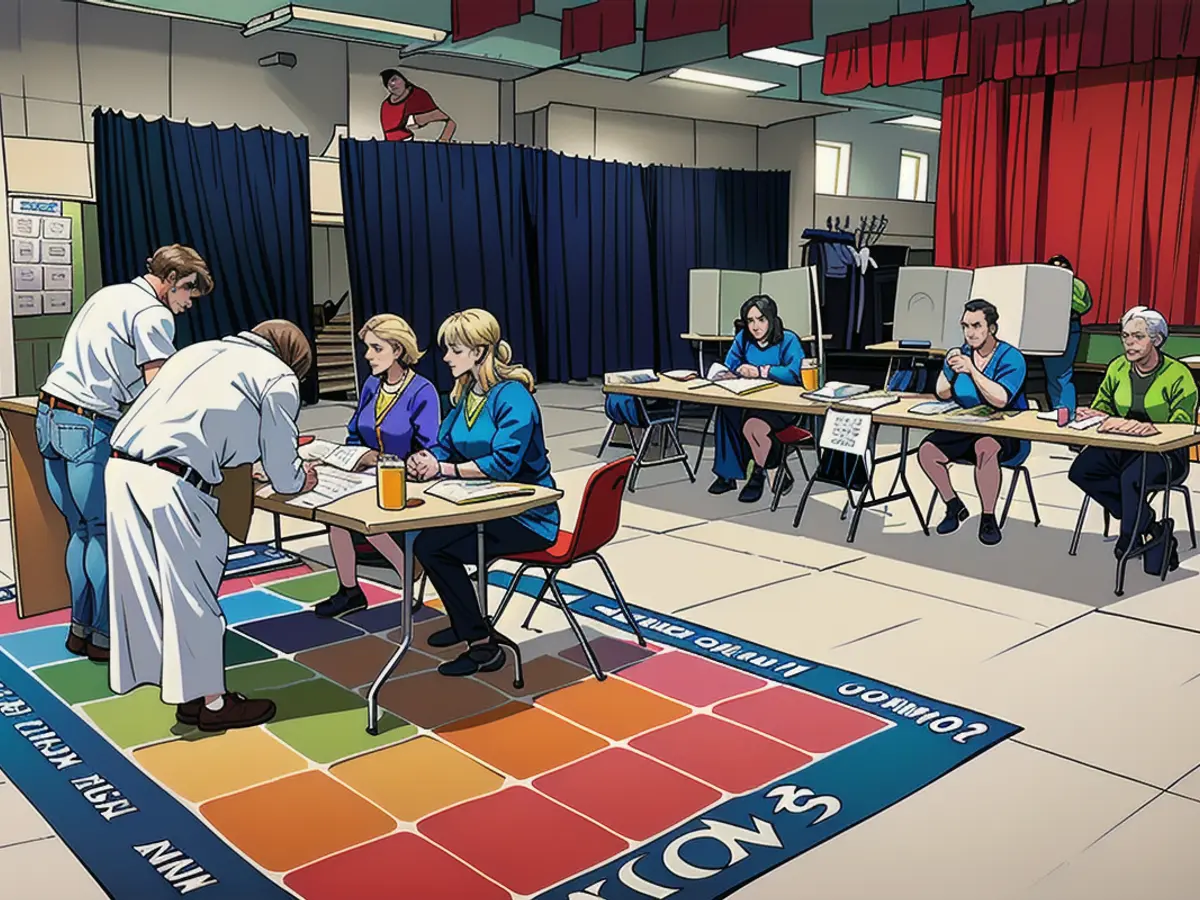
[{"x": 715, "y": 298}]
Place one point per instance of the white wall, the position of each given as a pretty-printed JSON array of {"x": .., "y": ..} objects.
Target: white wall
[
  {"x": 909, "y": 222},
  {"x": 645, "y": 139},
  {"x": 875, "y": 150},
  {"x": 59, "y": 60},
  {"x": 789, "y": 146}
]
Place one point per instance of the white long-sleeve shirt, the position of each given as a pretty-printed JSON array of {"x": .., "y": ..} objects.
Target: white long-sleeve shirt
[
  {"x": 220, "y": 404},
  {"x": 119, "y": 329}
]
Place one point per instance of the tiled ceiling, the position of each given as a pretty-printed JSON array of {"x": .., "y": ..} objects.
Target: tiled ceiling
[{"x": 533, "y": 44}]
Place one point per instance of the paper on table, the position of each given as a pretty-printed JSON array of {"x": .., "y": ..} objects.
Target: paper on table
[
  {"x": 1089, "y": 422},
  {"x": 344, "y": 457},
  {"x": 463, "y": 492},
  {"x": 743, "y": 386},
  {"x": 635, "y": 376},
  {"x": 332, "y": 484},
  {"x": 871, "y": 403},
  {"x": 681, "y": 375},
  {"x": 933, "y": 407}
]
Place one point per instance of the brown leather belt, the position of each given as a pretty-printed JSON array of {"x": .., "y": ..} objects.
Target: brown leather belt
[
  {"x": 179, "y": 470},
  {"x": 54, "y": 403}
]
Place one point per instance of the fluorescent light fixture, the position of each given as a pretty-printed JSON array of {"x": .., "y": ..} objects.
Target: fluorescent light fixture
[
  {"x": 297, "y": 15},
  {"x": 786, "y": 57},
  {"x": 700, "y": 76},
  {"x": 917, "y": 122}
]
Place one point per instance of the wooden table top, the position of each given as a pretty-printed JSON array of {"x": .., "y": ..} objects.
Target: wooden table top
[
  {"x": 1023, "y": 425},
  {"x": 726, "y": 338},
  {"x": 361, "y": 513},
  {"x": 25, "y": 405}
]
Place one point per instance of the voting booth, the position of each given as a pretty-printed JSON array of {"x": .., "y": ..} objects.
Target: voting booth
[
  {"x": 1034, "y": 303},
  {"x": 715, "y": 298}
]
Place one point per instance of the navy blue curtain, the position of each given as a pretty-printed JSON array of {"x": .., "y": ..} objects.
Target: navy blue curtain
[
  {"x": 594, "y": 283},
  {"x": 239, "y": 197},
  {"x": 709, "y": 219},
  {"x": 585, "y": 263},
  {"x": 432, "y": 228}
]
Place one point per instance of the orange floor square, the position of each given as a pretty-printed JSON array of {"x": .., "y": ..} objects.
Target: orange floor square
[
  {"x": 615, "y": 708},
  {"x": 296, "y": 820},
  {"x": 420, "y": 776},
  {"x": 522, "y": 740},
  {"x": 430, "y": 699},
  {"x": 198, "y": 770},
  {"x": 358, "y": 662}
]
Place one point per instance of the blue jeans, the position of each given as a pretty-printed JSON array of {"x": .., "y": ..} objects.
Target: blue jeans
[
  {"x": 1060, "y": 370},
  {"x": 75, "y": 450}
]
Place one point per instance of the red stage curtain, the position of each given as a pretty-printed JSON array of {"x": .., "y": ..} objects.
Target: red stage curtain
[
  {"x": 471, "y": 18},
  {"x": 1096, "y": 165},
  {"x": 758, "y": 24},
  {"x": 667, "y": 19},
  {"x": 598, "y": 26},
  {"x": 924, "y": 46}
]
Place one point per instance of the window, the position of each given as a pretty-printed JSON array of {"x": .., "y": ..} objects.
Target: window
[
  {"x": 914, "y": 175},
  {"x": 833, "y": 168}
]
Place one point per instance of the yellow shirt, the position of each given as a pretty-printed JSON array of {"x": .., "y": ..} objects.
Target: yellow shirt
[
  {"x": 385, "y": 400},
  {"x": 474, "y": 405}
]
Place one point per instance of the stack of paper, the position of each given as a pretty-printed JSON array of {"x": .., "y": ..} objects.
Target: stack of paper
[
  {"x": 933, "y": 407},
  {"x": 837, "y": 390},
  {"x": 872, "y": 403},
  {"x": 332, "y": 485},
  {"x": 682, "y": 375},
  {"x": 635, "y": 376},
  {"x": 461, "y": 493},
  {"x": 725, "y": 378},
  {"x": 343, "y": 457}
]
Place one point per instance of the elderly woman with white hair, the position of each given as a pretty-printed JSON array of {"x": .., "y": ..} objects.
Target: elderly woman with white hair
[{"x": 1141, "y": 388}]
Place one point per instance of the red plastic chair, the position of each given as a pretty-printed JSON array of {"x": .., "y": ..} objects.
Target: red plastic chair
[
  {"x": 599, "y": 519},
  {"x": 791, "y": 440}
]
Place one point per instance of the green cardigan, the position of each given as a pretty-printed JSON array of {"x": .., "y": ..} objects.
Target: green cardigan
[{"x": 1171, "y": 396}]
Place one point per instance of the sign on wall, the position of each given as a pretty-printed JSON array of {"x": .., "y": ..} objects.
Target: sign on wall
[{"x": 41, "y": 257}]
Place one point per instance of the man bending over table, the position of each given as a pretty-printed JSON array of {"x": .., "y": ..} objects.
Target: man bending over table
[
  {"x": 985, "y": 372},
  {"x": 1143, "y": 387}
]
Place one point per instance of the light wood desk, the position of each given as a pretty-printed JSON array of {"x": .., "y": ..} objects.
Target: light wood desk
[
  {"x": 39, "y": 532},
  {"x": 361, "y": 513},
  {"x": 701, "y": 339}
]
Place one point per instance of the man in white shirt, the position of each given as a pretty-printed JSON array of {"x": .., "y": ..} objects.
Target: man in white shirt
[
  {"x": 213, "y": 405},
  {"x": 112, "y": 350}
]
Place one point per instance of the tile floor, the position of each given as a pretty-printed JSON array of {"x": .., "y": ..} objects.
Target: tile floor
[{"x": 1099, "y": 797}]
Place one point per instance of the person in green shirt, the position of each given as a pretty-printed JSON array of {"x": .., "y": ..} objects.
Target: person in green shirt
[
  {"x": 1140, "y": 389},
  {"x": 1060, "y": 370}
]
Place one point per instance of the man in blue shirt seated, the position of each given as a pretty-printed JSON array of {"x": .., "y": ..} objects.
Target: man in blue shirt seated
[{"x": 988, "y": 372}]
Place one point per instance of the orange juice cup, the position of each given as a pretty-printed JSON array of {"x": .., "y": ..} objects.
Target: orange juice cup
[
  {"x": 391, "y": 483},
  {"x": 808, "y": 374}
]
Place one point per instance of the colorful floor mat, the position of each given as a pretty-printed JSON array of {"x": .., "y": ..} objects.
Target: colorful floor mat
[{"x": 701, "y": 763}]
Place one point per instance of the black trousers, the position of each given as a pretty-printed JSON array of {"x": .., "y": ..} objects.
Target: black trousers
[
  {"x": 1111, "y": 478},
  {"x": 445, "y": 553}
]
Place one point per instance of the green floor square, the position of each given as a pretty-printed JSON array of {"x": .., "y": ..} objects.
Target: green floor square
[
  {"x": 254, "y": 679},
  {"x": 326, "y": 722},
  {"x": 139, "y": 717},
  {"x": 308, "y": 588},
  {"x": 240, "y": 650},
  {"x": 77, "y": 681}
]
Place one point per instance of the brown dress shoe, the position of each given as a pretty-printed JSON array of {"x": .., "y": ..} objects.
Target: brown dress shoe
[
  {"x": 76, "y": 644},
  {"x": 97, "y": 654},
  {"x": 238, "y": 712},
  {"x": 188, "y": 713}
]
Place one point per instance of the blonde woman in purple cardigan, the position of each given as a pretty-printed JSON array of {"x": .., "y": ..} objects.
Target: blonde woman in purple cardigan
[{"x": 398, "y": 414}]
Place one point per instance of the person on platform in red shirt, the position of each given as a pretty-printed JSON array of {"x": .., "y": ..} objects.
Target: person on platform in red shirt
[{"x": 406, "y": 102}]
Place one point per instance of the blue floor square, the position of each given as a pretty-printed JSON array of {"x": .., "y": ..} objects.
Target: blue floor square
[
  {"x": 255, "y": 604},
  {"x": 386, "y": 616},
  {"x": 298, "y": 631},
  {"x": 39, "y": 646}
]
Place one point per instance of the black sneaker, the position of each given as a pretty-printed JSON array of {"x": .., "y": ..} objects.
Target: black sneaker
[
  {"x": 346, "y": 600},
  {"x": 480, "y": 658},
  {"x": 989, "y": 530},
  {"x": 722, "y": 486},
  {"x": 443, "y": 639},
  {"x": 956, "y": 514},
  {"x": 752, "y": 491},
  {"x": 1152, "y": 560}
]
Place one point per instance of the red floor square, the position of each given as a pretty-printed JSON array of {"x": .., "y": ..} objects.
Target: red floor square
[
  {"x": 721, "y": 753},
  {"x": 601, "y": 786},
  {"x": 234, "y": 585},
  {"x": 691, "y": 679},
  {"x": 801, "y": 719},
  {"x": 370, "y": 872},
  {"x": 521, "y": 839},
  {"x": 11, "y": 623}
]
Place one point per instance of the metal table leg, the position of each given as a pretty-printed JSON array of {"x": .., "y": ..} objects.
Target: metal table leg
[
  {"x": 278, "y": 531},
  {"x": 406, "y": 637}
]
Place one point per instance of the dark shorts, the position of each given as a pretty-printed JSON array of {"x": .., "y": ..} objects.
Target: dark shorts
[
  {"x": 959, "y": 447},
  {"x": 776, "y": 421}
]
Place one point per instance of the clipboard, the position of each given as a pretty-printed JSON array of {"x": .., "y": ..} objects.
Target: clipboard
[{"x": 235, "y": 501}]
